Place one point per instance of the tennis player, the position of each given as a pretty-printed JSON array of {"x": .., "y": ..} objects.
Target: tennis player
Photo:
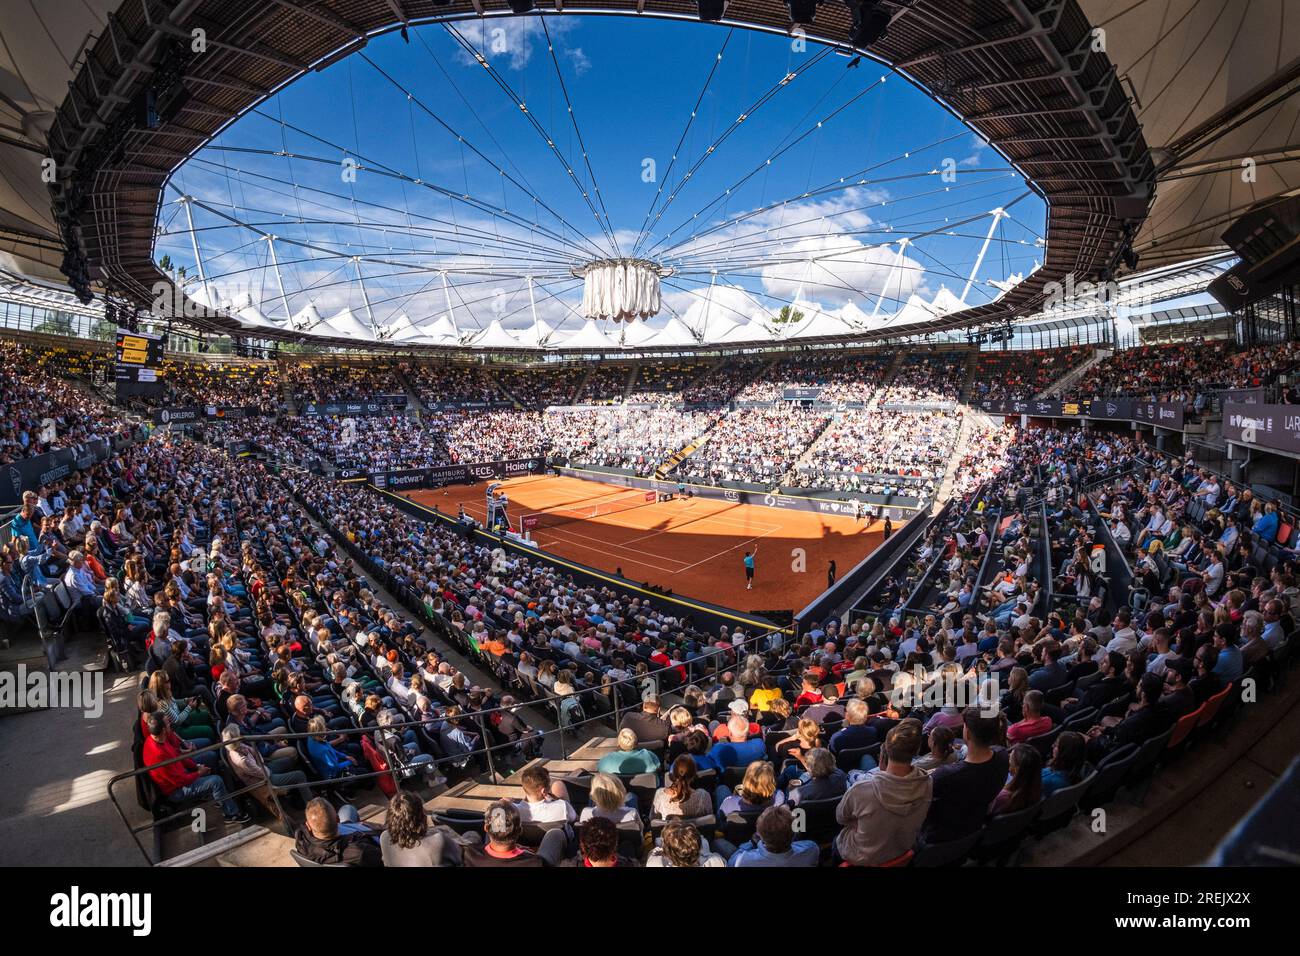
[{"x": 749, "y": 570}]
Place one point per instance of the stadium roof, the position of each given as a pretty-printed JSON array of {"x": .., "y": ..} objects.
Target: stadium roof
[
  {"x": 1211, "y": 81},
  {"x": 1214, "y": 84}
]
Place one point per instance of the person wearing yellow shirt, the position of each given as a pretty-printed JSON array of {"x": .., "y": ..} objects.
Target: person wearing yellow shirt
[{"x": 762, "y": 697}]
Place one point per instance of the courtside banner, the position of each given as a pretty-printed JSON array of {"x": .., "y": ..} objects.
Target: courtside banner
[
  {"x": 381, "y": 405},
  {"x": 739, "y": 496},
  {"x": 436, "y": 477}
]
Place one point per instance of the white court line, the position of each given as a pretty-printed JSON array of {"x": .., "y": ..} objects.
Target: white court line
[
  {"x": 555, "y": 535},
  {"x": 607, "y": 542},
  {"x": 624, "y": 559},
  {"x": 725, "y": 551},
  {"x": 738, "y": 523}
]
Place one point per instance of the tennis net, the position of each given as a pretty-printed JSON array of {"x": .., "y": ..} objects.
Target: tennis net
[{"x": 558, "y": 516}]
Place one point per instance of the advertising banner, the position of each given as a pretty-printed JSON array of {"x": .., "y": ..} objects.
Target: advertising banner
[
  {"x": 380, "y": 405},
  {"x": 1265, "y": 426},
  {"x": 1163, "y": 414},
  {"x": 30, "y": 473}
]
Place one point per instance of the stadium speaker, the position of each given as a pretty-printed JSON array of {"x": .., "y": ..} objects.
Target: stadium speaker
[
  {"x": 146, "y": 110},
  {"x": 711, "y": 10},
  {"x": 171, "y": 100},
  {"x": 521, "y": 6},
  {"x": 802, "y": 11},
  {"x": 870, "y": 23}
]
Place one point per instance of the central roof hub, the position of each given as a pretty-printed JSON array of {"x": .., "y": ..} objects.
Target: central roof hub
[{"x": 621, "y": 289}]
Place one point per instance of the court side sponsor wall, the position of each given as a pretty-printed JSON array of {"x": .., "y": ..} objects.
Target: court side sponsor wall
[
  {"x": 738, "y": 496},
  {"x": 414, "y": 478}
]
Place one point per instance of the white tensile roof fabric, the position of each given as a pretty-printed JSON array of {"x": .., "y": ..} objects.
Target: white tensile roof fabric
[
  {"x": 752, "y": 331},
  {"x": 945, "y": 301},
  {"x": 674, "y": 333},
  {"x": 536, "y": 335},
  {"x": 915, "y": 309},
  {"x": 347, "y": 325},
  {"x": 621, "y": 290},
  {"x": 255, "y": 316},
  {"x": 589, "y": 337},
  {"x": 494, "y": 337},
  {"x": 401, "y": 329},
  {"x": 820, "y": 324},
  {"x": 639, "y": 333},
  {"x": 441, "y": 331},
  {"x": 306, "y": 318}
]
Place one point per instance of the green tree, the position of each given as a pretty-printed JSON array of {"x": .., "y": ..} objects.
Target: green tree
[
  {"x": 302, "y": 348},
  {"x": 103, "y": 330},
  {"x": 59, "y": 323},
  {"x": 788, "y": 316}
]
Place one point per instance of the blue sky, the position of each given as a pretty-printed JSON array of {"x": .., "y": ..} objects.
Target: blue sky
[{"x": 774, "y": 204}]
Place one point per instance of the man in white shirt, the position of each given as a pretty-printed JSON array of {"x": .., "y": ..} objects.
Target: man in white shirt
[
  {"x": 540, "y": 803},
  {"x": 1125, "y": 638},
  {"x": 1213, "y": 575},
  {"x": 79, "y": 579},
  {"x": 1209, "y": 490}
]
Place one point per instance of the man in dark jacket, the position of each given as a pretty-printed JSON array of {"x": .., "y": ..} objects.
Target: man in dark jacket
[
  {"x": 318, "y": 839},
  {"x": 1147, "y": 721},
  {"x": 648, "y": 725}
]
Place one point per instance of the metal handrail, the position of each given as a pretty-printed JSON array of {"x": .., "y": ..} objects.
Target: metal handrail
[{"x": 475, "y": 716}]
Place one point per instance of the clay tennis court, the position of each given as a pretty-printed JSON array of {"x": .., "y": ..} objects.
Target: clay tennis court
[{"x": 693, "y": 546}]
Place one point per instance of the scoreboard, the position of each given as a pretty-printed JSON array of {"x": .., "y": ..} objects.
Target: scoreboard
[{"x": 139, "y": 361}]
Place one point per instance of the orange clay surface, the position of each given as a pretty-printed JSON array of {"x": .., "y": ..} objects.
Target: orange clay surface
[{"x": 693, "y": 546}]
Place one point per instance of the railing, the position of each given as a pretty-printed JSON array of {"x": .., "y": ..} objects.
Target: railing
[{"x": 488, "y": 752}]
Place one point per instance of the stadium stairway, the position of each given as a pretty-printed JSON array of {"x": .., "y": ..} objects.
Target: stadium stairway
[
  {"x": 286, "y": 393},
  {"x": 958, "y": 452},
  {"x": 414, "y": 407},
  {"x": 968, "y": 375},
  {"x": 887, "y": 379},
  {"x": 500, "y": 386},
  {"x": 1075, "y": 374},
  {"x": 582, "y": 383},
  {"x": 807, "y": 452}
]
